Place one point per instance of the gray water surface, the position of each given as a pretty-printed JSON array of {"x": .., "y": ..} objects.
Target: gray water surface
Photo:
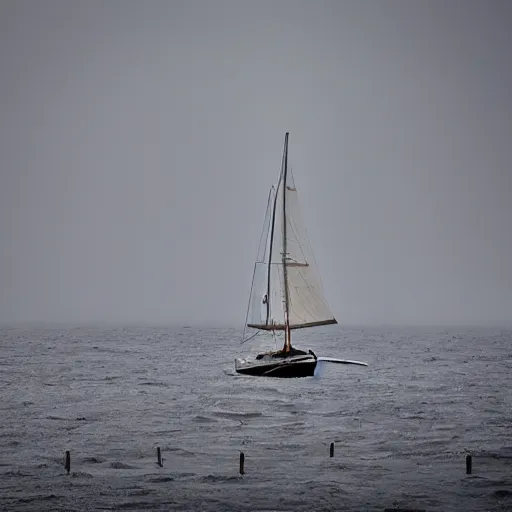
[{"x": 402, "y": 426}]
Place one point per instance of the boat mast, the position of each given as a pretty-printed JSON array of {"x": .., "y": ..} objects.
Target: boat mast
[
  {"x": 287, "y": 333},
  {"x": 269, "y": 270}
]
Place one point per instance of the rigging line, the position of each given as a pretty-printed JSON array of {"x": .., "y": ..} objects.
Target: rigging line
[
  {"x": 254, "y": 269},
  {"x": 249, "y": 304},
  {"x": 251, "y": 337},
  {"x": 265, "y": 227}
]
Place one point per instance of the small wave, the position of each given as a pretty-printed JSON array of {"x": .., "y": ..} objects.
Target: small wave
[
  {"x": 285, "y": 426},
  {"x": 294, "y": 425},
  {"x": 284, "y": 446},
  {"x": 417, "y": 416},
  {"x": 93, "y": 460},
  {"x": 140, "y": 492},
  {"x": 156, "y": 384},
  {"x": 220, "y": 478},
  {"x": 236, "y": 415},
  {"x": 169, "y": 477},
  {"x": 161, "y": 479},
  {"x": 498, "y": 455},
  {"x": 443, "y": 427},
  {"x": 204, "y": 419},
  {"x": 68, "y": 428},
  {"x": 264, "y": 390},
  {"x": 137, "y": 505},
  {"x": 377, "y": 456},
  {"x": 480, "y": 482},
  {"x": 39, "y": 498},
  {"x": 330, "y": 414},
  {"x": 120, "y": 465},
  {"x": 14, "y": 474},
  {"x": 12, "y": 433},
  {"x": 179, "y": 451},
  {"x": 81, "y": 474},
  {"x": 502, "y": 493}
]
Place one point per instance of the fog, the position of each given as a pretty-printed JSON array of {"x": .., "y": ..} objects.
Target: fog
[{"x": 138, "y": 141}]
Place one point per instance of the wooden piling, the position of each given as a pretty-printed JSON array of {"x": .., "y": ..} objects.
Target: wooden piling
[
  {"x": 331, "y": 451},
  {"x": 469, "y": 464},
  {"x": 67, "y": 464},
  {"x": 159, "y": 456},
  {"x": 242, "y": 460}
]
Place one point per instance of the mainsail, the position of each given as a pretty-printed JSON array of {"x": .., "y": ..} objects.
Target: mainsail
[{"x": 286, "y": 287}]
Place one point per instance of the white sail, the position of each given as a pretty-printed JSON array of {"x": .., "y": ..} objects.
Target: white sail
[{"x": 285, "y": 275}]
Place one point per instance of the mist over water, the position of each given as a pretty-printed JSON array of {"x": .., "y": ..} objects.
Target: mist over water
[{"x": 402, "y": 426}]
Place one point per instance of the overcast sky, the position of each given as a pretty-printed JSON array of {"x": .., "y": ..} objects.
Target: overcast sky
[{"x": 138, "y": 141}]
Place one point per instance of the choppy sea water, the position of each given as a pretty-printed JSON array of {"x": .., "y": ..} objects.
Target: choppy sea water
[{"x": 402, "y": 426}]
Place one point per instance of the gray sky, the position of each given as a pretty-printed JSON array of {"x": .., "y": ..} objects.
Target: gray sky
[{"x": 138, "y": 140}]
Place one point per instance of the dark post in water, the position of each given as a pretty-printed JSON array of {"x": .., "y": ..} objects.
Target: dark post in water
[
  {"x": 331, "y": 452},
  {"x": 242, "y": 460},
  {"x": 67, "y": 464},
  {"x": 468, "y": 464},
  {"x": 159, "y": 456}
]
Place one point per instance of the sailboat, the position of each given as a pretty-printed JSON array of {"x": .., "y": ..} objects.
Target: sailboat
[{"x": 286, "y": 291}]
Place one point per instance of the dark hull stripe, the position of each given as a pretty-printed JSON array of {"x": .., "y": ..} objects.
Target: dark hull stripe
[{"x": 288, "y": 370}]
